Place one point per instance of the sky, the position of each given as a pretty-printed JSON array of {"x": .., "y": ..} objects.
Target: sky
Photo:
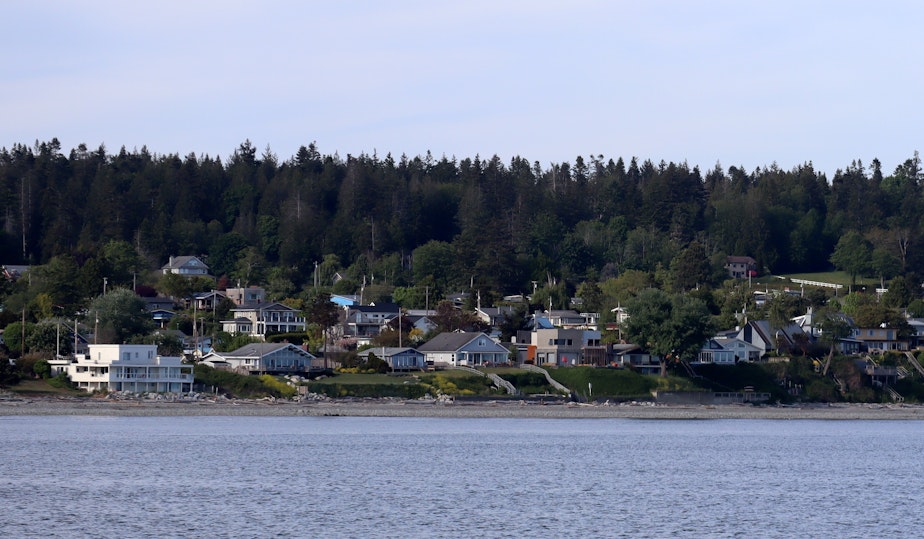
[{"x": 743, "y": 83}]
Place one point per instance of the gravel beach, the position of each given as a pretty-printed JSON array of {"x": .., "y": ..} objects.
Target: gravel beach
[{"x": 490, "y": 409}]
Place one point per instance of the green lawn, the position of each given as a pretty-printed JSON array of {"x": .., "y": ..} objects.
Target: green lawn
[{"x": 40, "y": 388}]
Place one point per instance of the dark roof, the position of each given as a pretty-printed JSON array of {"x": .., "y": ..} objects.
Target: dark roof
[
  {"x": 263, "y": 306},
  {"x": 180, "y": 261},
  {"x": 261, "y": 349},
  {"x": 740, "y": 260},
  {"x": 387, "y": 351},
  {"x": 382, "y": 308},
  {"x": 449, "y": 341}
]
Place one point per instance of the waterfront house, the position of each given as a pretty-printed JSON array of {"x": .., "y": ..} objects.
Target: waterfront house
[
  {"x": 129, "y": 367},
  {"x": 559, "y": 346},
  {"x": 267, "y": 358},
  {"x": 470, "y": 349},
  {"x": 399, "y": 359},
  {"x": 727, "y": 351}
]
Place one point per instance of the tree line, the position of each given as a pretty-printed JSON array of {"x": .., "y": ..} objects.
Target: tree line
[{"x": 424, "y": 226}]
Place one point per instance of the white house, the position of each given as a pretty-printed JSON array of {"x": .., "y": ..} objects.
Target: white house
[
  {"x": 470, "y": 349},
  {"x": 130, "y": 367},
  {"x": 727, "y": 351},
  {"x": 259, "y": 320}
]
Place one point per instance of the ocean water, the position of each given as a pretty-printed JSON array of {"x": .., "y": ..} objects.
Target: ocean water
[{"x": 131, "y": 477}]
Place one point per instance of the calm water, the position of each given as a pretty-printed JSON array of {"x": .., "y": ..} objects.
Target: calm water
[{"x": 133, "y": 477}]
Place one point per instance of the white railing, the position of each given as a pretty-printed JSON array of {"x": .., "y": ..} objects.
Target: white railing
[
  {"x": 818, "y": 283},
  {"x": 894, "y": 394},
  {"x": 548, "y": 377},
  {"x": 498, "y": 381}
]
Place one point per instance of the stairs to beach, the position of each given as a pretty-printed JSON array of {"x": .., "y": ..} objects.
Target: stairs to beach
[
  {"x": 914, "y": 362},
  {"x": 497, "y": 380}
]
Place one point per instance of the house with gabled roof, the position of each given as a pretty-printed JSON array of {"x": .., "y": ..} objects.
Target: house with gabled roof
[
  {"x": 266, "y": 358},
  {"x": 399, "y": 359},
  {"x": 494, "y": 316},
  {"x": 726, "y": 351},
  {"x": 741, "y": 267},
  {"x": 469, "y": 349},
  {"x": 187, "y": 266},
  {"x": 262, "y": 319}
]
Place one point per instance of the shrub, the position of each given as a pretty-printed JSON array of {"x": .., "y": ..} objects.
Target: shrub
[
  {"x": 279, "y": 388},
  {"x": 61, "y": 381}
]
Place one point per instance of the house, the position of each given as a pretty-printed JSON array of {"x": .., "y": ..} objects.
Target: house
[
  {"x": 266, "y": 358},
  {"x": 187, "y": 266},
  {"x": 162, "y": 317},
  {"x": 759, "y": 334},
  {"x": 421, "y": 323},
  {"x": 470, "y": 349},
  {"x": 205, "y": 301},
  {"x": 727, "y": 351},
  {"x": 344, "y": 300},
  {"x": 194, "y": 346},
  {"x": 917, "y": 332},
  {"x": 495, "y": 316},
  {"x": 399, "y": 359},
  {"x": 159, "y": 303},
  {"x": 363, "y": 322},
  {"x": 559, "y": 346},
  {"x": 741, "y": 267},
  {"x": 262, "y": 319},
  {"x": 246, "y": 296},
  {"x": 13, "y": 272},
  {"x": 882, "y": 339},
  {"x": 130, "y": 367},
  {"x": 633, "y": 356},
  {"x": 569, "y": 319}
]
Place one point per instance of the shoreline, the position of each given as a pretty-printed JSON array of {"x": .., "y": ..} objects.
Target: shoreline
[{"x": 50, "y": 406}]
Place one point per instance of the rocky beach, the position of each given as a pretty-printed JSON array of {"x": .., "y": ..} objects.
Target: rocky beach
[{"x": 26, "y": 406}]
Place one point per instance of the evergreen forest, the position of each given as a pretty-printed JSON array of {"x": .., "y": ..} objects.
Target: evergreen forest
[{"x": 425, "y": 226}]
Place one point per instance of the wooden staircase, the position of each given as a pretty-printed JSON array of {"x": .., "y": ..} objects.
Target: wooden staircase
[
  {"x": 914, "y": 362},
  {"x": 497, "y": 380}
]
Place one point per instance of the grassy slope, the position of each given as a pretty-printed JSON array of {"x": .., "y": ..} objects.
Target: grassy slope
[{"x": 40, "y": 388}]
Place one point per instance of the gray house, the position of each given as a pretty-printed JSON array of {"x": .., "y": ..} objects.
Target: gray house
[
  {"x": 267, "y": 358},
  {"x": 399, "y": 359},
  {"x": 470, "y": 349}
]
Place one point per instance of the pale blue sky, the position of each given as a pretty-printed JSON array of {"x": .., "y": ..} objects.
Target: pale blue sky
[{"x": 739, "y": 82}]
